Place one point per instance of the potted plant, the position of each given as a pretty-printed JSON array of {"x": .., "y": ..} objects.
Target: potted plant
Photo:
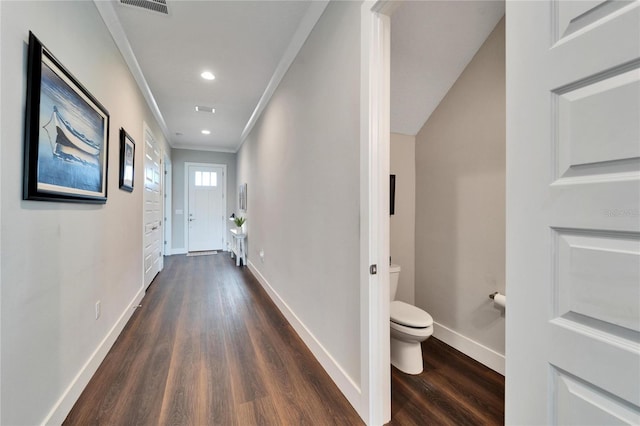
[{"x": 239, "y": 221}]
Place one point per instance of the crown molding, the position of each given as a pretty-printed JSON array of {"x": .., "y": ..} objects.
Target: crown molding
[{"x": 193, "y": 147}]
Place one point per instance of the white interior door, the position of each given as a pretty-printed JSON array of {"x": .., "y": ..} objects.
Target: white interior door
[
  {"x": 152, "y": 209},
  {"x": 573, "y": 223},
  {"x": 206, "y": 207}
]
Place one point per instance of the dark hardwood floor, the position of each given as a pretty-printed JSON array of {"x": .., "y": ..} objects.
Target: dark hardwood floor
[
  {"x": 453, "y": 389},
  {"x": 208, "y": 347}
]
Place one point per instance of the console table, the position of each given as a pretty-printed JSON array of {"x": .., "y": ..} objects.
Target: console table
[{"x": 238, "y": 246}]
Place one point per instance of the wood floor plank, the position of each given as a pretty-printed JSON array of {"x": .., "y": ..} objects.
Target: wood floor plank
[{"x": 259, "y": 412}]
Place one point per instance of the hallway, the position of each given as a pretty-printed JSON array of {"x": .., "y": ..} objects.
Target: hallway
[{"x": 209, "y": 347}]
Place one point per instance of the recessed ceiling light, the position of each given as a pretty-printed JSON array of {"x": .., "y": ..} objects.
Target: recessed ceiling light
[
  {"x": 205, "y": 109},
  {"x": 206, "y": 132},
  {"x": 208, "y": 75}
]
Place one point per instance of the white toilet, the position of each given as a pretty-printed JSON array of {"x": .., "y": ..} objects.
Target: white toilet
[{"x": 410, "y": 325}]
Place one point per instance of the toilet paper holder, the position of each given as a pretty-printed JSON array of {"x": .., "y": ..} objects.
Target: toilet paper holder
[{"x": 499, "y": 300}]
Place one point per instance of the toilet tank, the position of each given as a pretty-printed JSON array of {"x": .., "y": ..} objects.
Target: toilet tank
[{"x": 394, "y": 276}]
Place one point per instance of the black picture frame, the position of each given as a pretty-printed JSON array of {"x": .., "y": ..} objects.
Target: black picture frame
[
  {"x": 127, "y": 161},
  {"x": 66, "y": 145},
  {"x": 392, "y": 194}
]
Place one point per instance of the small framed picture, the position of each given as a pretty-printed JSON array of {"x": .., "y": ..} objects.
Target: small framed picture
[
  {"x": 392, "y": 194},
  {"x": 66, "y": 134},
  {"x": 242, "y": 197},
  {"x": 127, "y": 160}
]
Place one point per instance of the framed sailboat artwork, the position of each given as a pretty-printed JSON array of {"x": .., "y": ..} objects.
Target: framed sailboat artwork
[{"x": 66, "y": 134}]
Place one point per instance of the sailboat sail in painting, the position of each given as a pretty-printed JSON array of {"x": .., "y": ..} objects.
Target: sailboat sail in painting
[{"x": 67, "y": 134}]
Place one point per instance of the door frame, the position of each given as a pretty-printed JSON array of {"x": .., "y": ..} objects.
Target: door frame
[
  {"x": 186, "y": 201},
  {"x": 168, "y": 184},
  {"x": 375, "y": 64}
]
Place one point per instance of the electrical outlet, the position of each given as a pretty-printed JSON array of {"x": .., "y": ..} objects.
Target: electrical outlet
[
  {"x": 262, "y": 255},
  {"x": 98, "y": 309}
]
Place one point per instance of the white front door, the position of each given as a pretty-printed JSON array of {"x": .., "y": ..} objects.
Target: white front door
[
  {"x": 573, "y": 223},
  {"x": 152, "y": 209},
  {"x": 206, "y": 207}
]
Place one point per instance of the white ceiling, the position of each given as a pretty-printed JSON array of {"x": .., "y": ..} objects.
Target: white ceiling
[
  {"x": 241, "y": 42},
  {"x": 249, "y": 44},
  {"x": 431, "y": 44}
]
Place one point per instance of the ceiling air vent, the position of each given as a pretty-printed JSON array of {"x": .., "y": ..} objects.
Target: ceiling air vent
[
  {"x": 159, "y": 6},
  {"x": 205, "y": 109}
]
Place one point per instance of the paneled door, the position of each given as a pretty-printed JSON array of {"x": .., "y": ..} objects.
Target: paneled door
[
  {"x": 573, "y": 222},
  {"x": 206, "y": 213},
  {"x": 152, "y": 209}
]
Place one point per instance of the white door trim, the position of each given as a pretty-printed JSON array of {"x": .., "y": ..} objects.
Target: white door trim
[
  {"x": 186, "y": 200},
  {"x": 375, "y": 405},
  {"x": 162, "y": 207}
]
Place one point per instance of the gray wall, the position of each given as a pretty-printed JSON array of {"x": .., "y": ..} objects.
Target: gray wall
[
  {"x": 402, "y": 224},
  {"x": 178, "y": 158},
  {"x": 59, "y": 259},
  {"x": 301, "y": 163},
  {"x": 460, "y": 201}
]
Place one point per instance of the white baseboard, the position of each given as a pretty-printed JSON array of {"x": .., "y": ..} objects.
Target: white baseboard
[
  {"x": 173, "y": 251},
  {"x": 471, "y": 348},
  {"x": 177, "y": 251},
  {"x": 69, "y": 397},
  {"x": 346, "y": 385}
]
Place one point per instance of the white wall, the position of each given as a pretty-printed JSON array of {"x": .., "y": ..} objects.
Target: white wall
[
  {"x": 301, "y": 164},
  {"x": 460, "y": 208},
  {"x": 59, "y": 259},
  {"x": 403, "y": 222},
  {"x": 178, "y": 158}
]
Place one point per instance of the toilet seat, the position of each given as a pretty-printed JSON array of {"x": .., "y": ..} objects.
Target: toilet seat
[
  {"x": 410, "y": 334},
  {"x": 407, "y": 315}
]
